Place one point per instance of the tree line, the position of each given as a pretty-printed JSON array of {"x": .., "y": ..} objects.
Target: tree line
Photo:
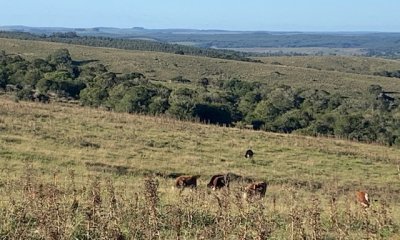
[{"x": 231, "y": 102}]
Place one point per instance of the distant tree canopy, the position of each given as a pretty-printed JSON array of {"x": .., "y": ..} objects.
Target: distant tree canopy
[{"x": 231, "y": 102}]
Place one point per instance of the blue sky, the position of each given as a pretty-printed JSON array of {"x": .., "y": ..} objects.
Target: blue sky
[{"x": 275, "y": 15}]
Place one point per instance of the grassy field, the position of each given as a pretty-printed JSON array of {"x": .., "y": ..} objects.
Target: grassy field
[
  {"x": 360, "y": 65},
  {"x": 74, "y": 172},
  {"x": 69, "y": 171},
  {"x": 304, "y": 50},
  {"x": 347, "y": 75}
]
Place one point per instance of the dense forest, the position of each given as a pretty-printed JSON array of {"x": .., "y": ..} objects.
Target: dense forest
[{"x": 231, "y": 102}]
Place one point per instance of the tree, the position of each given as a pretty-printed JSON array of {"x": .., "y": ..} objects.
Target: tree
[
  {"x": 25, "y": 94},
  {"x": 324, "y": 125},
  {"x": 32, "y": 76},
  {"x": 291, "y": 121},
  {"x": 3, "y": 78},
  {"x": 212, "y": 113},
  {"x": 60, "y": 56},
  {"x": 158, "y": 105},
  {"x": 377, "y": 98},
  {"x": 265, "y": 112},
  {"x": 317, "y": 101},
  {"x": 41, "y": 65},
  {"x": 131, "y": 76},
  {"x": 136, "y": 99},
  {"x": 106, "y": 80},
  {"x": 355, "y": 127},
  {"x": 182, "y": 102},
  {"x": 248, "y": 102},
  {"x": 238, "y": 87},
  {"x": 93, "y": 96},
  {"x": 284, "y": 98}
]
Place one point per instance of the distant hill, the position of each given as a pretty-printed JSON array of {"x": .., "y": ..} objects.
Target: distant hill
[
  {"x": 373, "y": 43},
  {"x": 142, "y": 44}
]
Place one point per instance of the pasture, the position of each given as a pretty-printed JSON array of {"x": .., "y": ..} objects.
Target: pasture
[
  {"x": 303, "y": 50},
  {"x": 349, "y": 76},
  {"x": 74, "y": 172},
  {"x": 68, "y": 171}
]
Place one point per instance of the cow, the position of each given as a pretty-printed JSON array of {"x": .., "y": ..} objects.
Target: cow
[
  {"x": 219, "y": 181},
  {"x": 249, "y": 154},
  {"x": 257, "y": 189},
  {"x": 186, "y": 181},
  {"x": 362, "y": 198}
]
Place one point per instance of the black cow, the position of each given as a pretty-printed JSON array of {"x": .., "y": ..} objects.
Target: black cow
[{"x": 249, "y": 154}]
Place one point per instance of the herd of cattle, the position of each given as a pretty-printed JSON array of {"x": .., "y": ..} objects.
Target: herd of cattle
[
  {"x": 255, "y": 189},
  {"x": 219, "y": 181}
]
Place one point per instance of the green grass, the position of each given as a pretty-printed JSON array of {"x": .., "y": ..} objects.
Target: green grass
[{"x": 52, "y": 140}]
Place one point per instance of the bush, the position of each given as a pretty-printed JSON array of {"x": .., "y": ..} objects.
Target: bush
[
  {"x": 180, "y": 79},
  {"x": 25, "y": 94},
  {"x": 292, "y": 121},
  {"x": 158, "y": 105},
  {"x": 94, "y": 96}
]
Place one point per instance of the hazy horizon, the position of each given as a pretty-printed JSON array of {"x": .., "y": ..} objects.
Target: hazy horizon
[
  {"x": 256, "y": 15},
  {"x": 197, "y": 29}
]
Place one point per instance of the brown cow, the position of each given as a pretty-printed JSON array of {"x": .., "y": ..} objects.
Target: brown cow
[
  {"x": 257, "y": 189},
  {"x": 218, "y": 181},
  {"x": 186, "y": 181},
  {"x": 362, "y": 198}
]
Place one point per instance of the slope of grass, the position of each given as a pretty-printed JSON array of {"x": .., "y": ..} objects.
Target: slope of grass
[
  {"x": 302, "y": 73},
  {"x": 361, "y": 65},
  {"x": 74, "y": 135},
  {"x": 59, "y": 150}
]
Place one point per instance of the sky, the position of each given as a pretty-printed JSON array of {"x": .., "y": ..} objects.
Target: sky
[{"x": 265, "y": 15}]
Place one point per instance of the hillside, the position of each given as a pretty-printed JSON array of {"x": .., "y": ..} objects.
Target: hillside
[
  {"x": 365, "y": 43},
  {"x": 357, "y": 65},
  {"x": 164, "y": 66},
  {"x": 56, "y": 155},
  {"x": 56, "y": 134},
  {"x": 141, "y": 44},
  {"x": 347, "y": 97}
]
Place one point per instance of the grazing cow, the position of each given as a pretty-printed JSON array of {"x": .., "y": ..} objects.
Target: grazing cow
[
  {"x": 218, "y": 181},
  {"x": 186, "y": 181},
  {"x": 249, "y": 154},
  {"x": 362, "y": 198},
  {"x": 257, "y": 189}
]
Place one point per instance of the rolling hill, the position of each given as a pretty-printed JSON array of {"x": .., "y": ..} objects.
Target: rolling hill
[
  {"x": 351, "y": 75},
  {"x": 69, "y": 171},
  {"x": 372, "y": 43}
]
